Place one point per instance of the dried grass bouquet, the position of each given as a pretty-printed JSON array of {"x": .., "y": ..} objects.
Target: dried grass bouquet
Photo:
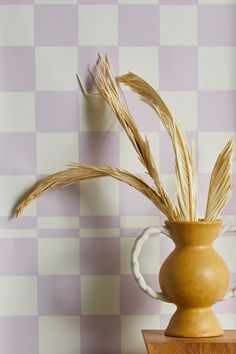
[{"x": 186, "y": 209}]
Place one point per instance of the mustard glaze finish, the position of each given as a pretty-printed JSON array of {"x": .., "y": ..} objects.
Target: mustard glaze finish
[{"x": 194, "y": 277}]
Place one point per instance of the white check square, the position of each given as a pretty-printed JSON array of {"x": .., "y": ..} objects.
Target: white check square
[
  {"x": 59, "y": 335},
  {"x": 59, "y": 256},
  {"x": 16, "y": 25},
  {"x": 144, "y": 61},
  {"x": 131, "y": 326},
  {"x": 18, "y": 296},
  {"x": 56, "y": 150},
  {"x": 100, "y": 295},
  {"x": 99, "y": 197},
  {"x": 17, "y": 111},
  {"x": 98, "y": 25},
  {"x": 210, "y": 144},
  {"x": 56, "y": 68},
  {"x": 217, "y": 68},
  {"x": 178, "y": 25}
]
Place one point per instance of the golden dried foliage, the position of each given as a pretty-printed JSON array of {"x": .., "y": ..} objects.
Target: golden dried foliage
[
  {"x": 77, "y": 173},
  {"x": 220, "y": 184},
  {"x": 185, "y": 171},
  {"x": 108, "y": 87}
]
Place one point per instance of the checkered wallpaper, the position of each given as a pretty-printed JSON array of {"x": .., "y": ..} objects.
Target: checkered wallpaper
[{"x": 65, "y": 280}]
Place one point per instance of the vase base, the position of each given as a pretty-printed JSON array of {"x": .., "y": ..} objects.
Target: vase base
[{"x": 194, "y": 323}]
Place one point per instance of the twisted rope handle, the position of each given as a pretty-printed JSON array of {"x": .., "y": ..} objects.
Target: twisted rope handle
[{"x": 139, "y": 242}]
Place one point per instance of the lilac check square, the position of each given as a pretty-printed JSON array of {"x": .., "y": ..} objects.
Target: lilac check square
[
  {"x": 63, "y": 202},
  {"x": 139, "y": 304},
  {"x": 100, "y": 334},
  {"x": 139, "y": 204},
  {"x": 59, "y": 295},
  {"x": 99, "y": 148},
  {"x": 217, "y": 25},
  {"x": 96, "y": 259},
  {"x": 56, "y": 25},
  {"x": 17, "y": 68},
  {"x": 18, "y": 257},
  {"x": 178, "y": 68},
  {"x": 20, "y": 146},
  {"x": 132, "y": 33},
  {"x": 52, "y": 111},
  {"x": 19, "y": 335}
]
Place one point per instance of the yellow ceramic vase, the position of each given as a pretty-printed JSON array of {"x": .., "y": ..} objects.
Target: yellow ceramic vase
[{"x": 194, "y": 277}]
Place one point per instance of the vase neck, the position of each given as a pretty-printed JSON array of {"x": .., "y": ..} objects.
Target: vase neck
[{"x": 196, "y": 233}]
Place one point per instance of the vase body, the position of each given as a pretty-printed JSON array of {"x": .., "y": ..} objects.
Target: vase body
[{"x": 194, "y": 277}]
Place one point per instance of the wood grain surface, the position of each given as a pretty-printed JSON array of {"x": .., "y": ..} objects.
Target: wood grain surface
[{"x": 157, "y": 343}]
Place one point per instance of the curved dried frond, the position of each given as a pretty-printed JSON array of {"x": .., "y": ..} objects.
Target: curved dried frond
[
  {"x": 220, "y": 184},
  {"x": 108, "y": 87},
  {"x": 77, "y": 173},
  {"x": 185, "y": 171}
]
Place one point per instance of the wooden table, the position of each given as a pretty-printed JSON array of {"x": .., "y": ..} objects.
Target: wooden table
[{"x": 157, "y": 343}]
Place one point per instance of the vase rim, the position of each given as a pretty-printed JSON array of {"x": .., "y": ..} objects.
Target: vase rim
[{"x": 196, "y": 222}]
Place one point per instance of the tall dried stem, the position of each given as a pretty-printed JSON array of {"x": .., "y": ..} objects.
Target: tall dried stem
[
  {"x": 108, "y": 87},
  {"x": 220, "y": 184},
  {"x": 185, "y": 171}
]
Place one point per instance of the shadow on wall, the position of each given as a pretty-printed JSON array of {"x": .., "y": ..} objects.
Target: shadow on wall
[
  {"x": 105, "y": 294},
  {"x": 99, "y": 145},
  {"x": 95, "y": 113},
  {"x": 99, "y": 255}
]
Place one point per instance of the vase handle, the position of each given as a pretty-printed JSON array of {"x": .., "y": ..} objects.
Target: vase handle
[
  {"x": 138, "y": 244},
  {"x": 229, "y": 228}
]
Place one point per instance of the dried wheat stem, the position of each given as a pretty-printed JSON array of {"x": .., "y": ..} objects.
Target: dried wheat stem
[
  {"x": 220, "y": 184},
  {"x": 185, "y": 172},
  {"x": 109, "y": 89},
  {"x": 79, "y": 173}
]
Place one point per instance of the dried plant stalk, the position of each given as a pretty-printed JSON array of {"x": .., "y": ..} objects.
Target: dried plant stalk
[
  {"x": 110, "y": 91},
  {"x": 185, "y": 171},
  {"x": 78, "y": 173},
  {"x": 220, "y": 184},
  {"x": 194, "y": 167}
]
